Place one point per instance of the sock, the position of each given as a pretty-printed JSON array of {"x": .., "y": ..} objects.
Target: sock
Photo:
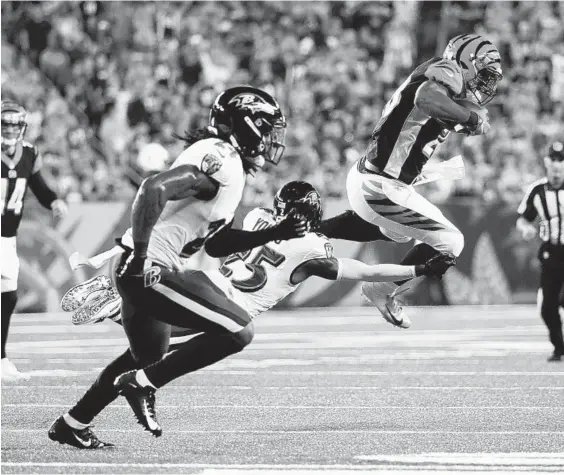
[
  {"x": 102, "y": 392},
  {"x": 418, "y": 254},
  {"x": 9, "y": 300},
  {"x": 142, "y": 379},
  {"x": 192, "y": 355},
  {"x": 71, "y": 421}
]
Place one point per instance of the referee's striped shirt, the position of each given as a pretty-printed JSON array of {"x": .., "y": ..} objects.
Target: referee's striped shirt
[{"x": 547, "y": 203}]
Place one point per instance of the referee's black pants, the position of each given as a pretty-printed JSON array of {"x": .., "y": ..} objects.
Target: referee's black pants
[{"x": 552, "y": 285}]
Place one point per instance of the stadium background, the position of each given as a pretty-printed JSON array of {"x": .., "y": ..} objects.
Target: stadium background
[{"x": 107, "y": 83}]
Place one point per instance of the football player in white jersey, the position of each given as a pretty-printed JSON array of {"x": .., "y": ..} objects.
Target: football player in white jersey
[
  {"x": 181, "y": 210},
  {"x": 247, "y": 285}
]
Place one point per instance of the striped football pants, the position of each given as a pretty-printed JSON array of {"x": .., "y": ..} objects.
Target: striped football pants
[{"x": 401, "y": 212}]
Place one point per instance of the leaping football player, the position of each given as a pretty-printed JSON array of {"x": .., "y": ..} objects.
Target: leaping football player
[
  {"x": 441, "y": 95},
  {"x": 249, "y": 283},
  {"x": 21, "y": 168},
  {"x": 181, "y": 211}
]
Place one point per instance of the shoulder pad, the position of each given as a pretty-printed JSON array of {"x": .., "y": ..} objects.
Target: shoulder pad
[{"x": 447, "y": 73}]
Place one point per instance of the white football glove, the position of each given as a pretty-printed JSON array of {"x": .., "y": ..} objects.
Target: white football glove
[{"x": 483, "y": 126}]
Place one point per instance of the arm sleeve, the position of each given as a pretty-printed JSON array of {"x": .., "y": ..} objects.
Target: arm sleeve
[
  {"x": 527, "y": 208},
  {"x": 447, "y": 73},
  {"x": 230, "y": 241},
  {"x": 41, "y": 190}
]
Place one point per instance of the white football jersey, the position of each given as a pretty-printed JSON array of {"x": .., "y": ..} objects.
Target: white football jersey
[
  {"x": 257, "y": 280},
  {"x": 190, "y": 221}
]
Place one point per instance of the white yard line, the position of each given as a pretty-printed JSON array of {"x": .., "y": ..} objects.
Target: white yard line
[
  {"x": 317, "y": 431},
  {"x": 304, "y": 407},
  {"x": 183, "y": 388}
]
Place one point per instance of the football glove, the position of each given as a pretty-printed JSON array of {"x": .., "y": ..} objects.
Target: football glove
[
  {"x": 479, "y": 123},
  {"x": 437, "y": 265},
  {"x": 293, "y": 225}
]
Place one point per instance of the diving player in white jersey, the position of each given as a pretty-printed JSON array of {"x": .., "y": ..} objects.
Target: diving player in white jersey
[
  {"x": 247, "y": 285},
  {"x": 181, "y": 210}
]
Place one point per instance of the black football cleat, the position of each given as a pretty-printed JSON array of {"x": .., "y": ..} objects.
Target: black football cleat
[
  {"x": 61, "y": 432},
  {"x": 142, "y": 401},
  {"x": 556, "y": 356}
]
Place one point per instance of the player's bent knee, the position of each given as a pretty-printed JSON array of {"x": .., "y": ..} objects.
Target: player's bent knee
[
  {"x": 452, "y": 242},
  {"x": 245, "y": 336}
]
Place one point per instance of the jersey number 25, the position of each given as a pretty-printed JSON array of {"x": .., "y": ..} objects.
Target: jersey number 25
[{"x": 257, "y": 280}]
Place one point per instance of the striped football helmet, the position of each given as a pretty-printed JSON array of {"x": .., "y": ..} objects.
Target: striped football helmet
[
  {"x": 14, "y": 124},
  {"x": 481, "y": 65}
]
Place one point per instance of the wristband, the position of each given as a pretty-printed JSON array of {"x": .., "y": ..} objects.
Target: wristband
[{"x": 140, "y": 249}]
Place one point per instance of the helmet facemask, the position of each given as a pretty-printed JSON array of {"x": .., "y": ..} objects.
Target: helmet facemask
[
  {"x": 483, "y": 86},
  {"x": 273, "y": 143},
  {"x": 308, "y": 206},
  {"x": 13, "y": 128}
]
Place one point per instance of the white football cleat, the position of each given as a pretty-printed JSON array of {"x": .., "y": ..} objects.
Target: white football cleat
[
  {"x": 77, "y": 295},
  {"x": 10, "y": 373},
  {"x": 98, "y": 306},
  {"x": 383, "y": 296}
]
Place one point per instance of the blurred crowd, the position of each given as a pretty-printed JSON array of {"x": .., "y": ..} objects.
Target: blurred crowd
[{"x": 108, "y": 83}]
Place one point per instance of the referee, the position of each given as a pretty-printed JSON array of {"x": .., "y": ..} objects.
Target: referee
[{"x": 545, "y": 199}]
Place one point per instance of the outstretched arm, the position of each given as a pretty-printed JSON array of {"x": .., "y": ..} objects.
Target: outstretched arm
[
  {"x": 175, "y": 184},
  {"x": 230, "y": 241},
  {"x": 351, "y": 269}
]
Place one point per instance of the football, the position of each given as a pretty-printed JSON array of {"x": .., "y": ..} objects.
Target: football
[{"x": 453, "y": 126}]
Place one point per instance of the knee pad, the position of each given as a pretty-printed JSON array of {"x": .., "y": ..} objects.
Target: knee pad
[{"x": 244, "y": 337}]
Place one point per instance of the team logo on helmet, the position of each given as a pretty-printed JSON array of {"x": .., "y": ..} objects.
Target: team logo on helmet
[
  {"x": 253, "y": 103},
  {"x": 312, "y": 198},
  {"x": 210, "y": 164},
  {"x": 481, "y": 65}
]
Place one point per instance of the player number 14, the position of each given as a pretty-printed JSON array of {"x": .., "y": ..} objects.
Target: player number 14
[{"x": 15, "y": 201}]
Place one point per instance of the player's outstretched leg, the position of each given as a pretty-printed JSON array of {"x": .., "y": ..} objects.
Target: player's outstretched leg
[
  {"x": 139, "y": 387},
  {"x": 350, "y": 227}
]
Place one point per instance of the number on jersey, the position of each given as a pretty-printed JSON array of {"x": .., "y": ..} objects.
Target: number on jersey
[
  {"x": 14, "y": 202},
  {"x": 430, "y": 147},
  {"x": 258, "y": 278}
]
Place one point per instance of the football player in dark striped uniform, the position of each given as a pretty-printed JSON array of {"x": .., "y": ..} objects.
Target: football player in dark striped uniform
[
  {"x": 21, "y": 164},
  {"x": 441, "y": 95}
]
